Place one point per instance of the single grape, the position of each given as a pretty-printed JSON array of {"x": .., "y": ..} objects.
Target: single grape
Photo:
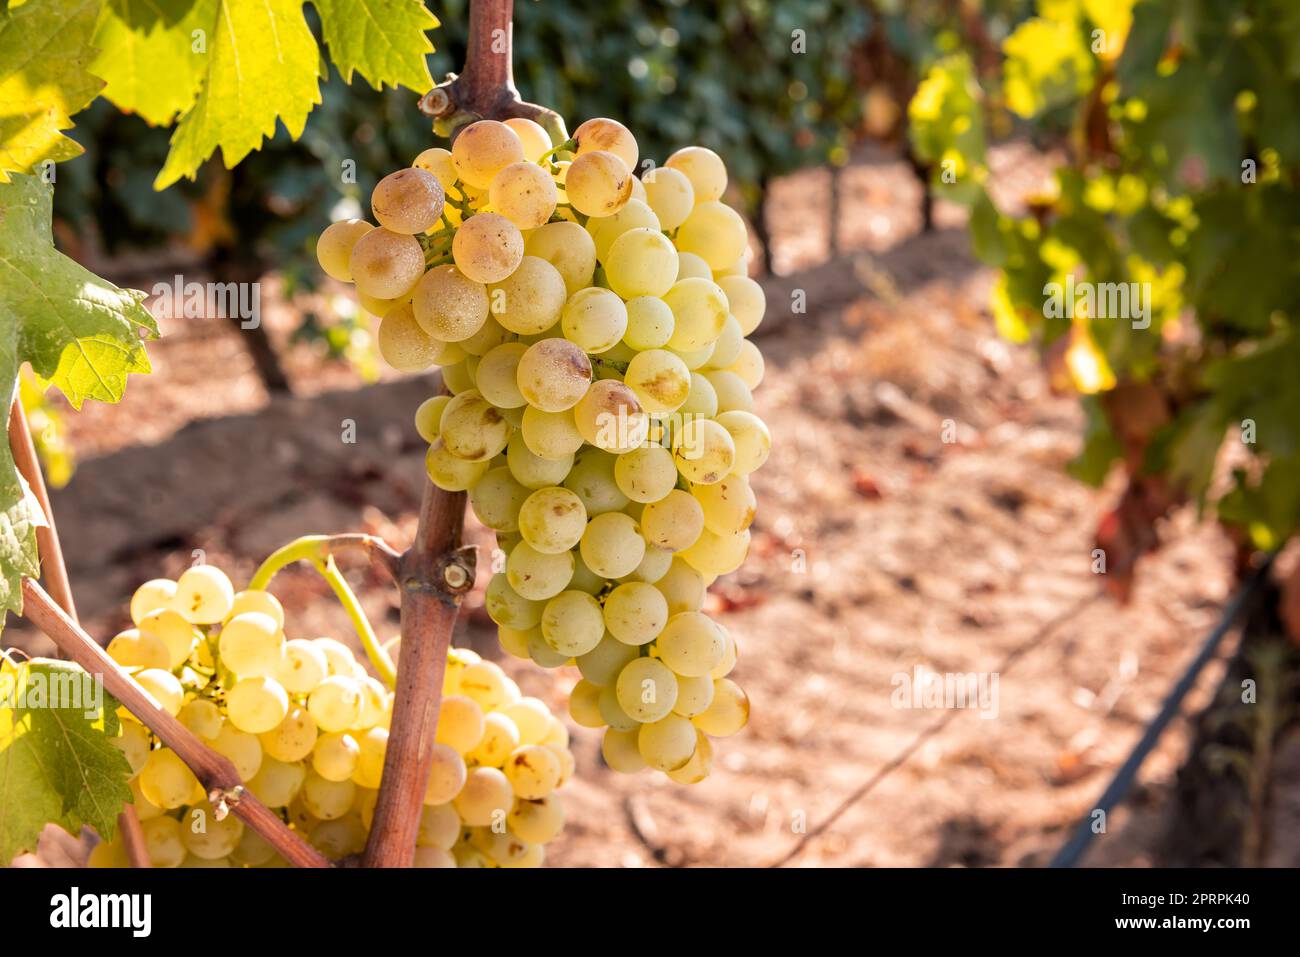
[
  {"x": 714, "y": 554},
  {"x": 727, "y": 713},
  {"x": 646, "y": 689},
  {"x": 694, "y": 695},
  {"x": 601, "y": 133},
  {"x": 598, "y": 183},
  {"x": 649, "y": 323},
  {"x": 403, "y": 342},
  {"x": 452, "y": 474},
  {"x": 714, "y": 232},
  {"x": 592, "y": 479},
  {"x": 257, "y": 704},
  {"x": 690, "y": 644},
  {"x": 611, "y": 417},
  {"x": 698, "y": 767},
  {"x": 554, "y": 374},
  {"x": 670, "y": 194},
  {"x": 483, "y": 149},
  {"x": 385, "y": 264},
  {"x": 691, "y": 266},
  {"x": 569, "y": 248},
  {"x": 641, "y": 262},
  {"x": 500, "y": 738},
  {"x": 674, "y": 522},
  {"x": 604, "y": 230},
  {"x": 529, "y": 301},
  {"x": 533, "y": 471},
  {"x": 472, "y": 428},
  {"x": 204, "y": 595},
  {"x": 620, "y": 751},
  {"x": 747, "y": 300},
  {"x": 635, "y": 613},
  {"x": 704, "y": 451},
  {"x": 293, "y": 738},
  {"x": 667, "y": 744},
  {"x": 407, "y": 201},
  {"x": 572, "y": 623},
  {"x": 699, "y": 310},
  {"x": 487, "y": 247},
  {"x": 646, "y": 474},
  {"x": 748, "y": 365},
  {"x": 486, "y": 795},
  {"x": 704, "y": 168},
  {"x": 334, "y": 247},
  {"x": 449, "y": 305},
  {"x": 533, "y": 771},
  {"x": 534, "y": 138},
  {"x": 730, "y": 391},
  {"x": 752, "y": 440},
  {"x": 524, "y": 193},
  {"x": 603, "y": 663},
  {"x": 252, "y": 644},
  {"x": 460, "y": 723},
  {"x": 163, "y": 687},
  {"x": 728, "y": 506},
  {"x": 429, "y": 415},
  {"x": 595, "y": 319},
  {"x": 612, "y": 545},
  {"x": 537, "y": 575},
  {"x": 550, "y": 435}
]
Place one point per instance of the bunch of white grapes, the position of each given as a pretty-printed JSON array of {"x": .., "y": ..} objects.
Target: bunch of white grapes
[
  {"x": 306, "y": 727},
  {"x": 591, "y": 328}
]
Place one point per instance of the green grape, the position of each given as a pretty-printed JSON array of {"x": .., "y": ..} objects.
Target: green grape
[
  {"x": 752, "y": 439},
  {"x": 728, "y": 505},
  {"x": 472, "y": 428},
  {"x": 385, "y": 264},
  {"x": 334, "y": 247},
  {"x": 646, "y": 474},
  {"x": 671, "y": 195},
  {"x": 558, "y": 736},
  {"x": 407, "y": 201},
  {"x": 507, "y": 607},
  {"x": 727, "y": 349},
  {"x": 569, "y": 248},
  {"x": 728, "y": 662},
  {"x": 636, "y": 214},
  {"x": 530, "y": 299},
  {"x": 485, "y": 683},
  {"x": 611, "y": 417},
  {"x": 534, "y": 138},
  {"x": 598, "y": 183},
  {"x": 572, "y": 623},
  {"x": 552, "y": 520},
  {"x": 594, "y": 319},
  {"x": 653, "y": 567},
  {"x": 336, "y": 703},
  {"x": 730, "y": 390},
  {"x": 602, "y": 664},
  {"x": 166, "y": 781},
  {"x": 543, "y": 654},
  {"x": 335, "y": 755},
  {"x": 612, "y": 713},
  {"x": 252, "y": 645},
  {"x": 243, "y": 750},
  {"x": 483, "y": 149},
  {"x": 704, "y": 168},
  {"x": 748, "y": 365},
  {"x": 674, "y": 522},
  {"x": 667, "y": 744},
  {"x": 487, "y": 248},
  {"x": 163, "y": 842},
  {"x": 496, "y": 500},
  {"x": 532, "y": 471},
  {"x": 635, "y": 613},
  {"x": 457, "y": 377},
  {"x": 609, "y": 135},
  {"x": 646, "y": 690},
  {"x": 531, "y": 717},
  {"x": 691, "y": 644},
  {"x": 714, "y": 232},
  {"x": 747, "y": 300},
  {"x": 620, "y": 751},
  {"x": 134, "y": 742},
  {"x": 428, "y": 415},
  {"x": 461, "y": 723},
  {"x": 439, "y": 826},
  {"x": 452, "y": 474},
  {"x": 403, "y": 344},
  {"x": 500, "y": 738},
  {"x": 695, "y": 358},
  {"x": 257, "y": 704},
  {"x": 154, "y": 595},
  {"x": 691, "y": 266},
  {"x": 714, "y": 554},
  {"x": 641, "y": 262},
  {"x": 513, "y": 640},
  {"x": 256, "y": 600},
  {"x": 448, "y": 305},
  {"x": 727, "y": 713},
  {"x": 277, "y": 783},
  {"x": 338, "y": 839},
  {"x": 533, "y": 771},
  {"x": 486, "y": 795},
  {"x": 523, "y": 193},
  {"x": 325, "y": 799},
  {"x": 293, "y": 738},
  {"x": 660, "y": 380},
  {"x": 204, "y": 595},
  {"x": 551, "y": 435},
  {"x": 554, "y": 374},
  {"x": 704, "y": 451},
  {"x": 612, "y": 545},
  {"x": 694, "y": 694},
  {"x": 489, "y": 336},
  {"x": 584, "y": 579},
  {"x": 584, "y": 704},
  {"x": 536, "y": 575},
  {"x": 136, "y": 649},
  {"x": 177, "y": 635},
  {"x": 163, "y": 687},
  {"x": 699, "y": 310},
  {"x": 649, "y": 323},
  {"x": 303, "y": 667},
  {"x": 698, "y": 767},
  {"x": 537, "y": 821}
]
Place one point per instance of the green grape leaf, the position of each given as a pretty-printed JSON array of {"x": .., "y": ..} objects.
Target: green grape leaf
[
  {"x": 383, "y": 40},
  {"x": 77, "y": 331},
  {"x": 44, "y": 54},
  {"x": 57, "y": 760},
  {"x": 150, "y": 56},
  {"x": 1100, "y": 449}
]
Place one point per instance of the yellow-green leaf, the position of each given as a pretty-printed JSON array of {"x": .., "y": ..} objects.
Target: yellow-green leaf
[{"x": 383, "y": 40}]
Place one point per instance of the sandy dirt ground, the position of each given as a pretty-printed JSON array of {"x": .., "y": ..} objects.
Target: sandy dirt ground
[{"x": 914, "y": 514}]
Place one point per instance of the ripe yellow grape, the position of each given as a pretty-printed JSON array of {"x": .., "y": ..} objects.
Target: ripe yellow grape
[
  {"x": 714, "y": 554},
  {"x": 438, "y": 161},
  {"x": 611, "y": 417},
  {"x": 483, "y": 149},
  {"x": 407, "y": 201},
  {"x": 612, "y": 713},
  {"x": 334, "y": 247},
  {"x": 653, "y": 567},
  {"x": 674, "y": 522},
  {"x": 257, "y": 600},
  {"x": 584, "y": 704},
  {"x": 730, "y": 391},
  {"x": 552, "y": 520},
  {"x": 728, "y": 506},
  {"x": 325, "y": 799},
  {"x": 243, "y": 750},
  {"x": 277, "y": 782},
  {"x": 403, "y": 342},
  {"x": 704, "y": 451},
  {"x": 727, "y": 713},
  {"x": 303, "y": 667},
  {"x": 537, "y": 575},
  {"x": 385, "y": 264},
  {"x": 691, "y": 266},
  {"x": 670, "y": 194},
  {"x": 635, "y": 613},
  {"x": 204, "y": 595},
  {"x": 496, "y": 500},
  {"x": 497, "y": 377},
  {"x": 592, "y": 480},
  {"x": 682, "y": 586},
  {"x": 491, "y": 335},
  {"x": 154, "y": 595},
  {"x": 569, "y": 248},
  {"x": 460, "y": 723},
  {"x": 748, "y": 365},
  {"x": 166, "y": 780},
  {"x": 646, "y": 690},
  {"x": 293, "y": 738},
  {"x": 449, "y": 473},
  {"x": 487, "y": 684},
  {"x": 369, "y": 771},
  {"x": 606, "y": 229},
  {"x": 507, "y": 607},
  {"x": 533, "y": 471},
  {"x": 534, "y": 138},
  {"x": 533, "y": 771},
  {"x": 537, "y": 821},
  {"x": 524, "y": 193},
  {"x": 335, "y": 755},
  {"x": 594, "y": 319},
  {"x": 472, "y": 428},
  {"x": 727, "y": 347},
  {"x": 428, "y": 415},
  {"x": 531, "y": 717},
  {"x": 486, "y": 795},
  {"x": 164, "y": 688},
  {"x": 598, "y": 183},
  {"x": 751, "y": 438},
  {"x": 660, "y": 380},
  {"x": 500, "y": 737},
  {"x": 602, "y": 664},
  {"x": 335, "y": 704},
  {"x": 134, "y": 648},
  {"x": 530, "y": 299},
  {"x": 449, "y": 305},
  {"x": 554, "y": 374},
  {"x": 694, "y": 695},
  {"x": 667, "y": 744},
  {"x": 134, "y": 742},
  {"x": 572, "y": 623},
  {"x": 699, "y": 766},
  {"x": 257, "y": 704},
  {"x": 612, "y": 545},
  {"x": 646, "y": 474},
  {"x": 641, "y": 262},
  {"x": 714, "y": 232},
  {"x": 602, "y": 133},
  {"x": 163, "y": 843},
  {"x": 447, "y": 775},
  {"x": 699, "y": 310},
  {"x": 620, "y": 751},
  {"x": 704, "y": 168},
  {"x": 550, "y": 435},
  {"x": 747, "y": 300},
  {"x": 487, "y": 247},
  {"x": 690, "y": 644},
  {"x": 649, "y": 323},
  {"x": 252, "y": 644}
]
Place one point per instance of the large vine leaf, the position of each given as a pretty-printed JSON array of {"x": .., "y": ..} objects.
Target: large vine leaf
[
  {"x": 260, "y": 65},
  {"x": 44, "y": 54},
  {"x": 57, "y": 760},
  {"x": 79, "y": 332}
]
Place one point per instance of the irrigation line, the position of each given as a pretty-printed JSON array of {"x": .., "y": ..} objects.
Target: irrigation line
[
  {"x": 1074, "y": 849},
  {"x": 1016, "y": 653}
]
